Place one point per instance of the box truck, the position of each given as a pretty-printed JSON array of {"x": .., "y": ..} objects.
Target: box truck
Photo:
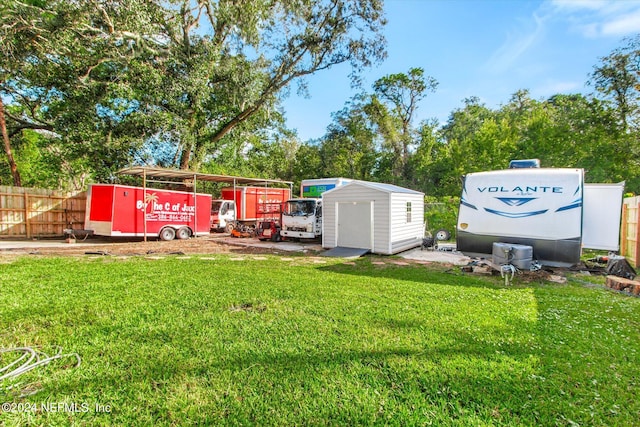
[
  {"x": 302, "y": 217},
  {"x": 120, "y": 210},
  {"x": 246, "y": 206},
  {"x": 550, "y": 209}
]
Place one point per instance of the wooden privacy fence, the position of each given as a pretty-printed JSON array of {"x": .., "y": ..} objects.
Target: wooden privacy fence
[
  {"x": 35, "y": 212},
  {"x": 630, "y": 232}
]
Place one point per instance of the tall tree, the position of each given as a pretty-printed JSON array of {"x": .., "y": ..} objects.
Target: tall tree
[
  {"x": 469, "y": 145},
  {"x": 64, "y": 67},
  {"x": 617, "y": 78},
  {"x": 17, "y": 181},
  {"x": 102, "y": 77},
  {"x": 425, "y": 168},
  {"x": 256, "y": 50},
  {"x": 348, "y": 148},
  {"x": 13, "y": 49},
  {"x": 392, "y": 108}
]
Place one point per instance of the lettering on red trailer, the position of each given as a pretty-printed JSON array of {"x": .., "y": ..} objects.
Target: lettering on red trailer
[{"x": 157, "y": 210}]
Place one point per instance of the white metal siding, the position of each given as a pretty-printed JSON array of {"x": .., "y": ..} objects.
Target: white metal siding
[
  {"x": 391, "y": 232},
  {"x": 406, "y": 235},
  {"x": 356, "y": 193},
  {"x": 329, "y": 224}
]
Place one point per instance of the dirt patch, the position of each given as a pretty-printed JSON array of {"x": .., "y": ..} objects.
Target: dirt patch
[{"x": 214, "y": 244}]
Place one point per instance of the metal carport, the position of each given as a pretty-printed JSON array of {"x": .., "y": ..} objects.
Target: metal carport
[{"x": 190, "y": 179}]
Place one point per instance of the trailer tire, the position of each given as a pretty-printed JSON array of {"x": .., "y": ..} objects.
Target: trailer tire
[
  {"x": 442, "y": 234},
  {"x": 183, "y": 233},
  {"x": 167, "y": 234}
]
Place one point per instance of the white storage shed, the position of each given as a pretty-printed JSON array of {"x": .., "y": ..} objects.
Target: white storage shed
[{"x": 384, "y": 218}]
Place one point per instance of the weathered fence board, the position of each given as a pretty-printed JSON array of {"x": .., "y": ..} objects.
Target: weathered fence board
[
  {"x": 630, "y": 232},
  {"x": 36, "y": 212}
]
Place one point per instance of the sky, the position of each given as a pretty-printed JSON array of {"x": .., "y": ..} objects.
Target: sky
[{"x": 489, "y": 49}]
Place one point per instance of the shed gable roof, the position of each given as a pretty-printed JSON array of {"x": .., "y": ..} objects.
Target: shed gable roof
[{"x": 386, "y": 188}]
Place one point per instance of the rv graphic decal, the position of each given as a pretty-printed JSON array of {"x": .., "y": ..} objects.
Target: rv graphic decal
[
  {"x": 467, "y": 204},
  {"x": 508, "y": 195},
  {"x": 515, "y": 214},
  {"x": 574, "y": 205},
  {"x": 515, "y": 201}
]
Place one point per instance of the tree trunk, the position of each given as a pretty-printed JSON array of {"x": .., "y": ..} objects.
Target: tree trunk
[
  {"x": 7, "y": 148},
  {"x": 184, "y": 160}
]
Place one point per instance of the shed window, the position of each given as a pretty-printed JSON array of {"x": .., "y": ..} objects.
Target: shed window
[{"x": 408, "y": 211}]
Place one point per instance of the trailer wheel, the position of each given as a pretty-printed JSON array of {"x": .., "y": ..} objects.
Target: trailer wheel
[
  {"x": 183, "y": 233},
  {"x": 443, "y": 235},
  {"x": 276, "y": 237},
  {"x": 167, "y": 234}
]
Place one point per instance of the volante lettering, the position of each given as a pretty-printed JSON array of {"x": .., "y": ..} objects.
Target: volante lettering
[{"x": 521, "y": 189}]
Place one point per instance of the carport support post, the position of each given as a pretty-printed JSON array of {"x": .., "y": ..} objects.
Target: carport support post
[
  {"x": 235, "y": 202},
  {"x": 195, "y": 207},
  {"x": 144, "y": 202}
]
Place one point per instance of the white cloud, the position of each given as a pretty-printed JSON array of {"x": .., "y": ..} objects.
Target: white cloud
[
  {"x": 597, "y": 18},
  {"x": 570, "y": 5},
  {"x": 623, "y": 25},
  {"x": 516, "y": 45},
  {"x": 551, "y": 88}
]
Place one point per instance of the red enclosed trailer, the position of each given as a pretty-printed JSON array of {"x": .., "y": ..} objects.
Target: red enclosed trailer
[
  {"x": 120, "y": 210},
  {"x": 247, "y": 206}
]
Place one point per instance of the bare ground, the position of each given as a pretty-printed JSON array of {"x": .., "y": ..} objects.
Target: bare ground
[
  {"x": 222, "y": 243},
  {"x": 119, "y": 246}
]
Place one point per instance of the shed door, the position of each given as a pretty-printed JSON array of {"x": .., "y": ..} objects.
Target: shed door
[{"x": 354, "y": 225}]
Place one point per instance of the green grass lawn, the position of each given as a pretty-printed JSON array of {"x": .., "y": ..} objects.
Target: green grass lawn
[{"x": 297, "y": 341}]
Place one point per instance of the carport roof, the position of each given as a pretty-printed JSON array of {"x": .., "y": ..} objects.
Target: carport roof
[{"x": 162, "y": 173}]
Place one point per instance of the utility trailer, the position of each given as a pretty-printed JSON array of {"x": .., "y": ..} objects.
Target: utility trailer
[
  {"x": 550, "y": 209},
  {"x": 244, "y": 207},
  {"x": 120, "y": 210}
]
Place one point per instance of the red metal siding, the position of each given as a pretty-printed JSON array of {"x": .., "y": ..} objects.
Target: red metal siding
[
  {"x": 162, "y": 208},
  {"x": 127, "y": 218},
  {"x": 254, "y": 203},
  {"x": 101, "y": 208}
]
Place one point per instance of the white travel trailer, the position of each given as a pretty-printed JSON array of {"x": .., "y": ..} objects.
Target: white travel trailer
[{"x": 544, "y": 208}]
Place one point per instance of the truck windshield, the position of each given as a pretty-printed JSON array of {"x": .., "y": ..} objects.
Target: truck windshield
[
  {"x": 215, "y": 206},
  {"x": 299, "y": 207}
]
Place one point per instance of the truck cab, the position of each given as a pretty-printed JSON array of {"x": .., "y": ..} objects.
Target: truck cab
[
  {"x": 223, "y": 215},
  {"x": 302, "y": 218}
]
